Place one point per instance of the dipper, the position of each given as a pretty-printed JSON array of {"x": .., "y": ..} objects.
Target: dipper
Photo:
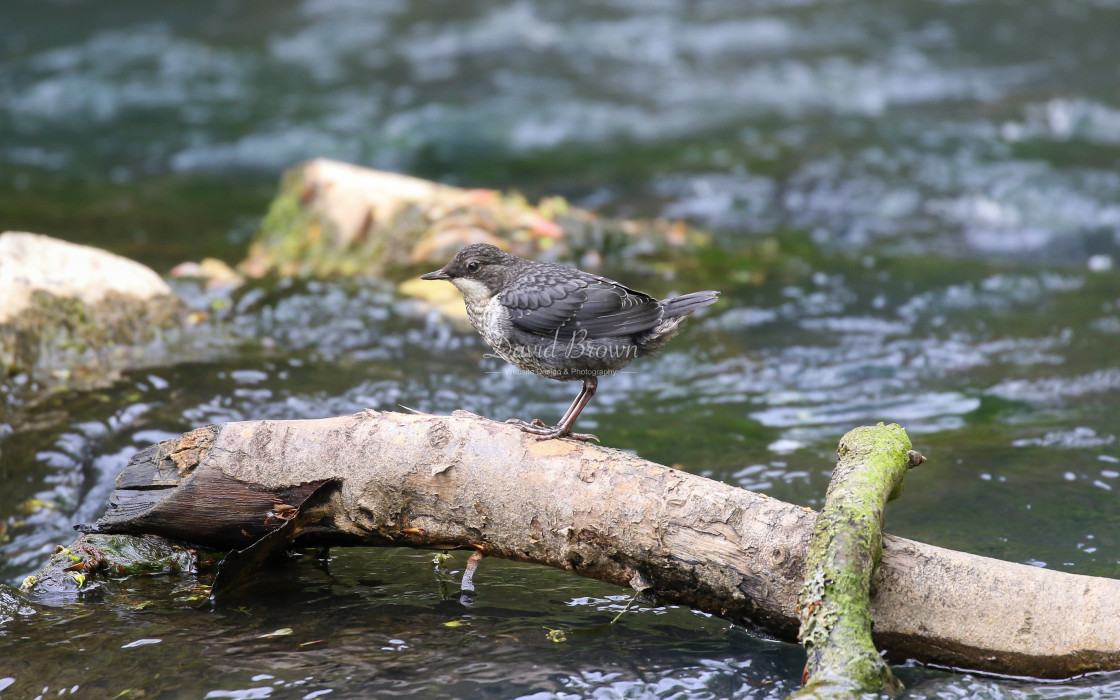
[{"x": 560, "y": 322}]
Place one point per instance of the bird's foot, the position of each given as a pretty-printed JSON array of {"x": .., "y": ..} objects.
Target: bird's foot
[
  {"x": 535, "y": 423},
  {"x": 544, "y": 431}
]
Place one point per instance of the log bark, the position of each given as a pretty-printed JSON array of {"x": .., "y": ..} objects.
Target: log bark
[
  {"x": 846, "y": 547},
  {"x": 463, "y": 481}
]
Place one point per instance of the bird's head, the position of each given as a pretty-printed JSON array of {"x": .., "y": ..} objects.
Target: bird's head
[{"x": 478, "y": 270}]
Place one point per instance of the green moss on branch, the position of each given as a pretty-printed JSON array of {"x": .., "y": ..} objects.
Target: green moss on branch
[{"x": 846, "y": 545}]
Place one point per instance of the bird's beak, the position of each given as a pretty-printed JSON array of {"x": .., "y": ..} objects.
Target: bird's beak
[{"x": 437, "y": 275}]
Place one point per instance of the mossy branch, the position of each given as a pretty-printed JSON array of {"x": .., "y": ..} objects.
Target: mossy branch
[{"x": 846, "y": 546}]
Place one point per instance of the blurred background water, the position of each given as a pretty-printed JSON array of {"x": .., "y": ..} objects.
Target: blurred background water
[{"x": 942, "y": 180}]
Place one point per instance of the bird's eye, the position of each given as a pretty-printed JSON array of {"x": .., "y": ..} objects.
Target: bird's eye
[{"x": 473, "y": 266}]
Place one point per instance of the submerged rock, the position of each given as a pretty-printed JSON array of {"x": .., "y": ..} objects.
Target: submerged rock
[
  {"x": 94, "y": 565},
  {"x": 69, "y": 310},
  {"x": 331, "y": 218}
]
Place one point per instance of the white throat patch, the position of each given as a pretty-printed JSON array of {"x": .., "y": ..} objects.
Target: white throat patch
[{"x": 472, "y": 290}]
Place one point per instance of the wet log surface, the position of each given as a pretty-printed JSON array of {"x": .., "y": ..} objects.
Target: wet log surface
[{"x": 388, "y": 479}]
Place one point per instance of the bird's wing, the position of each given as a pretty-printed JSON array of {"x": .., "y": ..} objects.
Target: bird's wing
[{"x": 570, "y": 304}]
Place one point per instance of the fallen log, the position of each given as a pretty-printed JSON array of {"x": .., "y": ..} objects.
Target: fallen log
[{"x": 462, "y": 481}]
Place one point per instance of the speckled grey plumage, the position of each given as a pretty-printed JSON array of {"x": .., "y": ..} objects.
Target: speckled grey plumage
[{"x": 560, "y": 322}]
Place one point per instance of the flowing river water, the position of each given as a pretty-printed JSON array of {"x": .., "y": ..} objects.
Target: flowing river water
[{"x": 940, "y": 180}]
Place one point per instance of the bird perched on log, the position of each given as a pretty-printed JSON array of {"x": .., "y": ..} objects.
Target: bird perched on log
[{"x": 560, "y": 322}]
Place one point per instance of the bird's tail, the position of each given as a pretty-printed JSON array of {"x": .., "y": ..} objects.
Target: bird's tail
[
  {"x": 675, "y": 312},
  {"x": 688, "y": 303}
]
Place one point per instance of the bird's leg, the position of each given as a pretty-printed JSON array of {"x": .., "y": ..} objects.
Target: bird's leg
[
  {"x": 466, "y": 592},
  {"x": 545, "y": 431},
  {"x": 564, "y": 427},
  {"x": 590, "y": 384}
]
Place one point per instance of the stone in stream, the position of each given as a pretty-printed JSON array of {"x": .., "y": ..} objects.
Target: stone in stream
[
  {"x": 332, "y": 218},
  {"x": 73, "y": 314}
]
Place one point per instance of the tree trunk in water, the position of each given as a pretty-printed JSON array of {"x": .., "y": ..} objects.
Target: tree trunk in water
[{"x": 387, "y": 479}]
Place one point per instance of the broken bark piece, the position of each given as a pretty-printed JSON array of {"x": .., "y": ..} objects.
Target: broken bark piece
[
  {"x": 843, "y": 661},
  {"x": 239, "y": 566},
  {"x": 461, "y": 481},
  {"x": 161, "y": 492}
]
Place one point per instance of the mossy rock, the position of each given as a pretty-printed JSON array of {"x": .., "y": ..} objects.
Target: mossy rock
[
  {"x": 94, "y": 564},
  {"x": 69, "y": 311},
  {"x": 331, "y": 218}
]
